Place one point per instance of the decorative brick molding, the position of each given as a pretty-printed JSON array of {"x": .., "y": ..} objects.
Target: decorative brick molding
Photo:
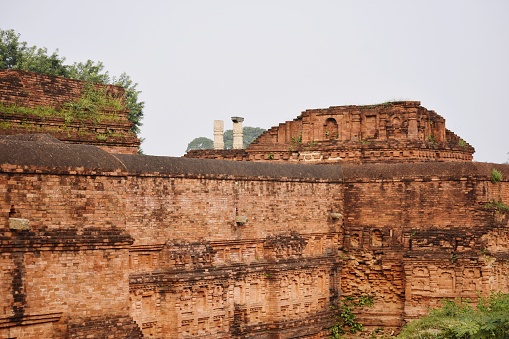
[{"x": 401, "y": 131}]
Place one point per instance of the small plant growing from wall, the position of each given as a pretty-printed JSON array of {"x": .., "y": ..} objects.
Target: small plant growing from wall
[
  {"x": 497, "y": 205},
  {"x": 346, "y": 321},
  {"x": 496, "y": 175},
  {"x": 101, "y": 137},
  {"x": 89, "y": 105},
  {"x": 432, "y": 141},
  {"x": 297, "y": 139},
  {"x": 94, "y": 104}
]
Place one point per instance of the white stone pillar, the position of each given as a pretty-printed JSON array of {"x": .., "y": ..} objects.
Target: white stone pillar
[
  {"x": 218, "y": 134},
  {"x": 237, "y": 133}
]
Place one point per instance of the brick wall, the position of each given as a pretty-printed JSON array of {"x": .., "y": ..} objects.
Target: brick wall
[
  {"x": 414, "y": 235},
  {"x": 194, "y": 209},
  {"x": 69, "y": 261},
  {"x": 401, "y": 131},
  {"x": 232, "y": 253},
  {"x": 26, "y": 89},
  {"x": 175, "y": 247}
]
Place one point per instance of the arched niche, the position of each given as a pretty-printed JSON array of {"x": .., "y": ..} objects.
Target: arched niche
[{"x": 330, "y": 129}]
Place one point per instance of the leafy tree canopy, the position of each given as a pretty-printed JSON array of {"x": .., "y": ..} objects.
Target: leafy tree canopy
[
  {"x": 200, "y": 143},
  {"x": 458, "y": 319},
  {"x": 250, "y": 134},
  {"x": 16, "y": 54}
]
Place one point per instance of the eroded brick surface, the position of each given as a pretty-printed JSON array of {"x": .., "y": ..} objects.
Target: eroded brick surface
[
  {"x": 401, "y": 131},
  {"x": 128, "y": 246},
  {"x": 27, "y": 89},
  {"x": 165, "y": 248}
]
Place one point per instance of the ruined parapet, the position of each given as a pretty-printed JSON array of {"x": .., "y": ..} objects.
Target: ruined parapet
[
  {"x": 218, "y": 134},
  {"x": 401, "y": 131},
  {"x": 32, "y": 103},
  {"x": 237, "y": 133}
]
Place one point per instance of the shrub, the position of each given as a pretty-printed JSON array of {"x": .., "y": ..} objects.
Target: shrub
[
  {"x": 496, "y": 175},
  {"x": 458, "y": 319}
]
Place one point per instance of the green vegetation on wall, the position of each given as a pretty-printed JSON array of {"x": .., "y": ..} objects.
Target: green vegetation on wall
[
  {"x": 94, "y": 105},
  {"x": 346, "y": 320},
  {"x": 89, "y": 106},
  {"x": 457, "y": 319},
  {"x": 16, "y": 54},
  {"x": 496, "y": 175}
]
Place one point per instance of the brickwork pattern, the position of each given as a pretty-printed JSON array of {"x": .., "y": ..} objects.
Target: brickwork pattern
[
  {"x": 126, "y": 245},
  {"x": 401, "y": 131},
  {"x": 27, "y": 89}
]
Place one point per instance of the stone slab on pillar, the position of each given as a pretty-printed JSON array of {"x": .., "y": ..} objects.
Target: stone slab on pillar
[
  {"x": 218, "y": 134},
  {"x": 237, "y": 133}
]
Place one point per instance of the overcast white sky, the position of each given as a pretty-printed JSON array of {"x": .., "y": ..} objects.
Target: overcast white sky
[{"x": 196, "y": 61}]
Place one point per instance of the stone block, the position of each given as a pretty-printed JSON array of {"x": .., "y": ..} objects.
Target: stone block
[
  {"x": 19, "y": 224},
  {"x": 335, "y": 215},
  {"x": 241, "y": 219}
]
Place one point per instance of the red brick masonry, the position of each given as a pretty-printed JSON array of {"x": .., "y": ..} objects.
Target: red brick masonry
[{"x": 176, "y": 247}]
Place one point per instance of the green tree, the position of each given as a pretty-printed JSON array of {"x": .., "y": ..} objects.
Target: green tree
[
  {"x": 249, "y": 135},
  {"x": 38, "y": 60},
  {"x": 14, "y": 54},
  {"x": 89, "y": 71},
  {"x": 132, "y": 102},
  {"x": 11, "y": 49},
  {"x": 200, "y": 143}
]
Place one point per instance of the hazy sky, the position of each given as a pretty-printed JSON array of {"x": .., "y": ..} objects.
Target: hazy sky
[{"x": 196, "y": 61}]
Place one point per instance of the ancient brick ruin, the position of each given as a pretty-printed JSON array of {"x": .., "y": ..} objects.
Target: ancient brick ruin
[
  {"x": 31, "y": 90},
  {"x": 96, "y": 244},
  {"x": 401, "y": 131}
]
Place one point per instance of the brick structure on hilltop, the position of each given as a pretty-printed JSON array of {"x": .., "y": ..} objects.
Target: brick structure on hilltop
[
  {"x": 101, "y": 245},
  {"x": 110, "y": 130},
  {"x": 401, "y": 131}
]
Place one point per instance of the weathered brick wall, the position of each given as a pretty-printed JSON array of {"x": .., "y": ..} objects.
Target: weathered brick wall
[
  {"x": 28, "y": 89},
  {"x": 174, "y": 247},
  {"x": 415, "y": 234},
  {"x": 111, "y": 130},
  {"x": 420, "y": 196},
  {"x": 67, "y": 263},
  {"x": 239, "y": 254},
  {"x": 194, "y": 209},
  {"x": 401, "y": 131},
  {"x": 232, "y": 154}
]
